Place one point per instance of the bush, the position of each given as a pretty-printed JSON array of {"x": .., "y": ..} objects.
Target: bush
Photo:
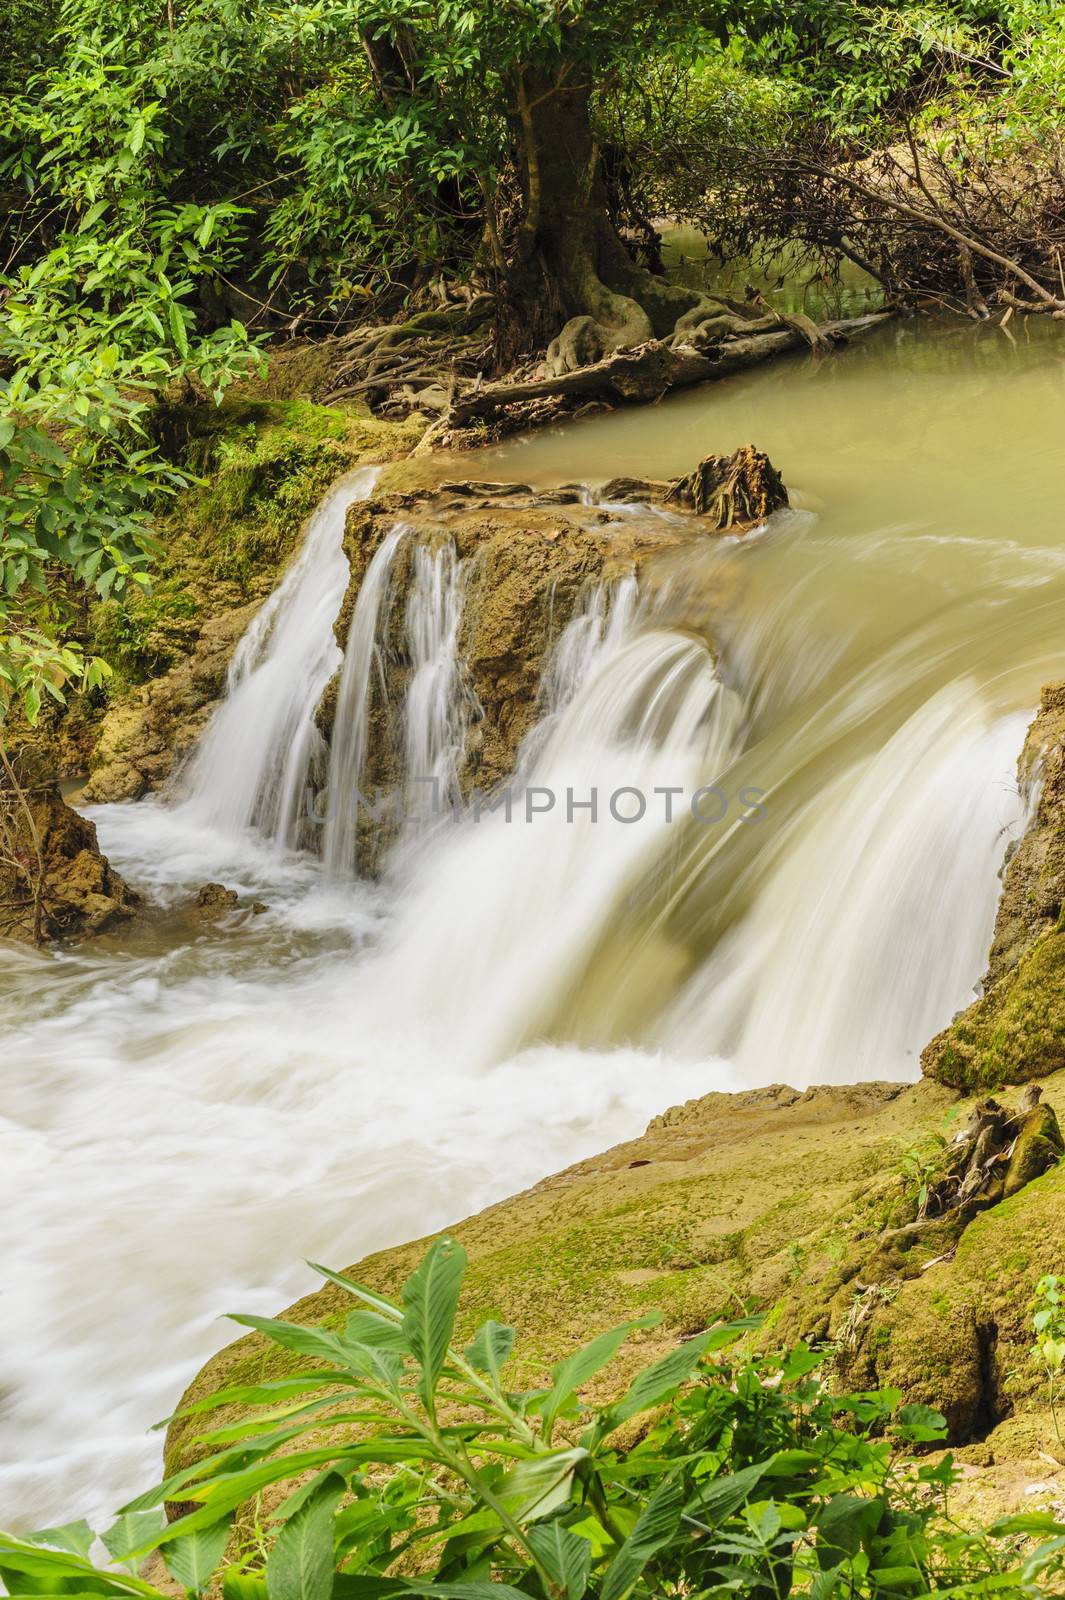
[{"x": 415, "y": 1468}]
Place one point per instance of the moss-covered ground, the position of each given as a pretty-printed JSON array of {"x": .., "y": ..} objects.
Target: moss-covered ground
[{"x": 776, "y": 1200}]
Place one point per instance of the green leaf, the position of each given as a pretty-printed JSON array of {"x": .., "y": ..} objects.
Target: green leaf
[
  {"x": 723, "y": 1497},
  {"x": 535, "y": 1487},
  {"x": 133, "y": 1531},
  {"x": 656, "y": 1383},
  {"x": 655, "y": 1528},
  {"x": 490, "y": 1350},
  {"x": 178, "y": 329},
  {"x": 844, "y": 1524},
  {"x": 920, "y": 1424},
  {"x": 31, "y": 704},
  {"x": 1026, "y": 1522},
  {"x": 300, "y": 1566},
  {"x": 360, "y": 1291},
  {"x": 565, "y": 1555},
  {"x": 368, "y": 1328},
  {"x": 291, "y": 1336},
  {"x": 243, "y": 1586},
  {"x": 430, "y": 1301},
  {"x": 193, "y": 1560},
  {"x": 75, "y": 1537},
  {"x": 571, "y": 1374}
]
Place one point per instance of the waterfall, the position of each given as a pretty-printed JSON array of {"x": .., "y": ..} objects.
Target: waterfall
[
  {"x": 251, "y": 767},
  {"x": 873, "y": 910},
  {"x": 438, "y": 704},
  {"x": 510, "y": 904},
  {"x": 351, "y": 721}
]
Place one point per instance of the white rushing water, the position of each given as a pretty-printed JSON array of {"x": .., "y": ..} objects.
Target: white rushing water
[
  {"x": 362, "y": 665},
  {"x": 252, "y": 766},
  {"x": 189, "y": 1111}
]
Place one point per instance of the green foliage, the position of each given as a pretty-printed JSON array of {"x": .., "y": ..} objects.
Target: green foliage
[
  {"x": 421, "y": 1471},
  {"x": 102, "y": 265},
  {"x": 1048, "y": 1322}
]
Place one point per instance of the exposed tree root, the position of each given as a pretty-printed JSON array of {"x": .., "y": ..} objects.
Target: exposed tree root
[
  {"x": 653, "y": 368},
  {"x": 736, "y": 491},
  {"x": 994, "y": 1156}
]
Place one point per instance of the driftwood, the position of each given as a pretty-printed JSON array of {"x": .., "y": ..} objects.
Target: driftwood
[
  {"x": 652, "y": 369},
  {"x": 736, "y": 491}
]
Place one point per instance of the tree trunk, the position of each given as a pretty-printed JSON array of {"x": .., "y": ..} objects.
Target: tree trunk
[{"x": 571, "y": 266}]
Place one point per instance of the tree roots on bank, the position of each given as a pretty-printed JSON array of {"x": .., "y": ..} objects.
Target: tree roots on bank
[
  {"x": 991, "y": 1159},
  {"x": 436, "y": 358}
]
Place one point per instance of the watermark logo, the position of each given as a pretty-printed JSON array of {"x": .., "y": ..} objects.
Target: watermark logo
[{"x": 430, "y": 798}]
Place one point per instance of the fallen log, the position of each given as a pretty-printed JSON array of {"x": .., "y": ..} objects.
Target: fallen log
[{"x": 650, "y": 370}]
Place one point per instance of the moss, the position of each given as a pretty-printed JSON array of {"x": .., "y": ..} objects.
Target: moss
[
  {"x": 1038, "y": 1147},
  {"x": 1015, "y": 1033}
]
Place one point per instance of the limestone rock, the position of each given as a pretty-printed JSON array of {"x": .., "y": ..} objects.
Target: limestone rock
[
  {"x": 214, "y": 900},
  {"x": 80, "y": 892}
]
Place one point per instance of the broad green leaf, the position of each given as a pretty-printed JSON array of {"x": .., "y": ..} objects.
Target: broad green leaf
[
  {"x": 536, "y": 1487},
  {"x": 370, "y": 1328},
  {"x": 490, "y": 1350},
  {"x": 655, "y": 1383},
  {"x": 243, "y": 1586},
  {"x": 370, "y": 1296},
  {"x": 565, "y": 1555},
  {"x": 300, "y": 1566},
  {"x": 723, "y": 1497},
  {"x": 430, "y": 1301},
  {"x": 193, "y": 1560},
  {"x": 571, "y": 1374},
  {"x": 75, "y": 1537},
  {"x": 305, "y": 1341},
  {"x": 133, "y": 1531},
  {"x": 655, "y": 1528},
  {"x": 178, "y": 329},
  {"x": 251, "y": 1394},
  {"x": 844, "y": 1523}
]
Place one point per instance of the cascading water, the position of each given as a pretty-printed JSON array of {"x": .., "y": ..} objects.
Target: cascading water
[
  {"x": 438, "y": 705},
  {"x": 251, "y": 767},
  {"x": 510, "y": 906},
  {"x": 351, "y": 729},
  {"x": 872, "y": 910},
  {"x": 188, "y": 1111}
]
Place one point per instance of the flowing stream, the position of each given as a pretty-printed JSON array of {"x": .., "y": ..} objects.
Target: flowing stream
[{"x": 190, "y": 1111}]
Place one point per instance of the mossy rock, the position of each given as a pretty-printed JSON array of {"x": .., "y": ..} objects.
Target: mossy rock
[
  {"x": 1038, "y": 1147},
  {"x": 1015, "y": 1032}
]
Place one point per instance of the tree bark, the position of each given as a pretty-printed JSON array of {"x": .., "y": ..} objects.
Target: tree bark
[{"x": 573, "y": 284}]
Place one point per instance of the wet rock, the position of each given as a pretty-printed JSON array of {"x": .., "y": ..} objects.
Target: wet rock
[
  {"x": 214, "y": 900},
  {"x": 625, "y": 489},
  {"x": 526, "y": 569},
  {"x": 55, "y": 882},
  {"x": 143, "y": 738}
]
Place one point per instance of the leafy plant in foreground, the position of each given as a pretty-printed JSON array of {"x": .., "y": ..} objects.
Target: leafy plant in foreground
[
  {"x": 399, "y": 1464},
  {"x": 1049, "y": 1347}
]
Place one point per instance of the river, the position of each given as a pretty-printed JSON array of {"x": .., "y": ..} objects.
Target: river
[{"x": 190, "y": 1111}]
